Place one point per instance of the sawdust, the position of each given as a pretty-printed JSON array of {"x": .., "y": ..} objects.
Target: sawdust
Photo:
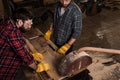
[{"x": 104, "y": 68}]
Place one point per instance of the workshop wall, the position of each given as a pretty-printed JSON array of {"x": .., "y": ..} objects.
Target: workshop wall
[{"x": 1, "y": 9}]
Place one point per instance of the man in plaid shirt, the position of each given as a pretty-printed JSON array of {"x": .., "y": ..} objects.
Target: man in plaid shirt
[
  {"x": 13, "y": 51},
  {"x": 66, "y": 26}
]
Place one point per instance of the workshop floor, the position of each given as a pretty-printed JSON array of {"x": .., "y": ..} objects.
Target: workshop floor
[{"x": 102, "y": 30}]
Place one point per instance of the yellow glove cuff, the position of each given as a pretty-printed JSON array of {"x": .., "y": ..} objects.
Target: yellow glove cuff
[
  {"x": 47, "y": 35},
  {"x": 64, "y": 49},
  {"x": 61, "y": 51}
]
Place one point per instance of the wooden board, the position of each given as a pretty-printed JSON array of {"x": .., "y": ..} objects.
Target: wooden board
[{"x": 50, "y": 55}]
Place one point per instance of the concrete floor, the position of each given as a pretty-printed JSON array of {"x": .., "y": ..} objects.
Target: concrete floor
[{"x": 101, "y": 30}]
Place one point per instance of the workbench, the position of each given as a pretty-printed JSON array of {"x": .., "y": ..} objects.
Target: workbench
[
  {"x": 66, "y": 65},
  {"x": 48, "y": 49}
]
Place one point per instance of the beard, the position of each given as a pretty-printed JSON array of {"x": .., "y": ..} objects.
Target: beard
[{"x": 22, "y": 29}]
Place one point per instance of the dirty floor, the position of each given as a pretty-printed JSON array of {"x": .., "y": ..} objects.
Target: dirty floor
[{"x": 102, "y": 30}]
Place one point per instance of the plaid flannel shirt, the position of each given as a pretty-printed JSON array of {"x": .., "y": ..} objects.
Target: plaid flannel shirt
[
  {"x": 68, "y": 25},
  {"x": 12, "y": 51}
]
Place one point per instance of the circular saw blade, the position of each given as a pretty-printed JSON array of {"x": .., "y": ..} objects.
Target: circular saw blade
[{"x": 74, "y": 63}]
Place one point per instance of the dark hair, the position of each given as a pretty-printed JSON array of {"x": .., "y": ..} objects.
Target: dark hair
[{"x": 22, "y": 14}]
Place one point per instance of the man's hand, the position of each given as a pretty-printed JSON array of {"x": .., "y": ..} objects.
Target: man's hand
[
  {"x": 48, "y": 35},
  {"x": 42, "y": 67},
  {"x": 37, "y": 56},
  {"x": 64, "y": 49}
]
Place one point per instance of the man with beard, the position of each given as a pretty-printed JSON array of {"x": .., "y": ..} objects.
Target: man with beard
[
  {"x": 13, "y": 51},
  {"x": 66, "y": 25},
  {"x": 66, "y": 28}
]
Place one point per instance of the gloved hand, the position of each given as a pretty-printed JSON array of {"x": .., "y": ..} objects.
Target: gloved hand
[
  {"x": 48, "y": 35},
  {"x": 64, "y": 49},
  {"x": 37, "y": 56},
  {"x": 42, "y": 67}
]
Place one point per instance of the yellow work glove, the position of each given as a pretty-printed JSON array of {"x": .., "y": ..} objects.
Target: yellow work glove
[
  {"x": 48, "y": 35},
  {"x": 37, "y": 56},
  {"x": 42, "y": 67},
  {"x": 64, "y": 49}
]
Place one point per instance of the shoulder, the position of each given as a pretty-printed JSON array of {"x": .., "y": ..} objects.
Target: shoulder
[
  {"x": 7, "y": 27},
  {"x": 76, "y": 8},
  {"x": 9, "y": 24},
  {"x": 5, "y": 23}
]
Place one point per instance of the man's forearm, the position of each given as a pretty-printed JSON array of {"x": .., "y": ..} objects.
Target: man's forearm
[
  {"x": 71, "y": 41},
  {"x": 33, "y": 66},
  {"x": 51, "y": 26}
]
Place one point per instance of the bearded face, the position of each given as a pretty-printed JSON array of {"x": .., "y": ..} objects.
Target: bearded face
[
  {"x": 65, "y": 3},
  {"x": 24, "y": 25},
  {"x": 22, "y": 29}
]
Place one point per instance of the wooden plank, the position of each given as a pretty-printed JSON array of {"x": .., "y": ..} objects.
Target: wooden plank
[{"x": 50, "y": 56}]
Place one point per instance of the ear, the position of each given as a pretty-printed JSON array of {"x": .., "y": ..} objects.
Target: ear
[{"x": 19, "y": 22}]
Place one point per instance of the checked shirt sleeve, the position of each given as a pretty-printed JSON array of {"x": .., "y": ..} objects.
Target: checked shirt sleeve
[
  {"x": 17, "y": 42},
  {"x": 77, "y": 24}
]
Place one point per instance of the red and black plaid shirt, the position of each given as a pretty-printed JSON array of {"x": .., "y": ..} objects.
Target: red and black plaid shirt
[{"x": 12, "y": 51}]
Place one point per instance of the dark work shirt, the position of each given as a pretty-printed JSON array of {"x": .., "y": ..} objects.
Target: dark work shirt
[{"x": 68, "y": 25}]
